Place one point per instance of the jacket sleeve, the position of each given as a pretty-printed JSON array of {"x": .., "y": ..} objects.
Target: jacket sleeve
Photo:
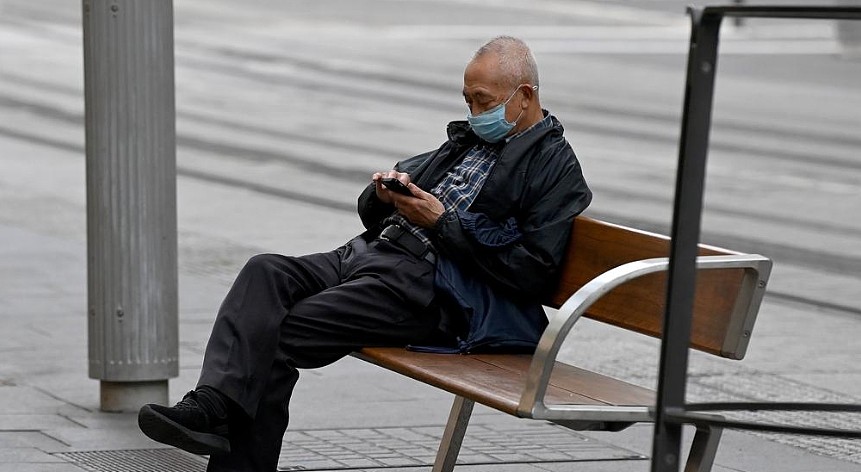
[
  {"x": 527, "y": 263},
  {"x": 371, "y": 210}
]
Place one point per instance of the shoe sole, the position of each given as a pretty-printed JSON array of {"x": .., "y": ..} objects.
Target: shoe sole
[{"x": 164, "y": 430}]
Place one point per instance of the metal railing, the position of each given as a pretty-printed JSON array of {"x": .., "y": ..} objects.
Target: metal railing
[{"x": 671, "y": 410}]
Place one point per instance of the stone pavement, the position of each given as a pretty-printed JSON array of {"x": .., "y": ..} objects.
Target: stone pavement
[{"x": 49, "y": 418}]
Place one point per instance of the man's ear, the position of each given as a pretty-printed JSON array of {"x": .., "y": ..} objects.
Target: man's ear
[
  {"x": 524, "y": 104},
  {"x": 528, "y": 95}
]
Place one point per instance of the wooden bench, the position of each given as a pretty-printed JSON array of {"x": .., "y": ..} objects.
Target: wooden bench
[{"x": 616, "y": 275}]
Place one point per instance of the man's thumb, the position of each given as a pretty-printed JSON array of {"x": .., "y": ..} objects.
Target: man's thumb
[{"x": 415, "y": 190}]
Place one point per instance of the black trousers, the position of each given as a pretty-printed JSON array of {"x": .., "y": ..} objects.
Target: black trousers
[{"x": 288, "y": 313}]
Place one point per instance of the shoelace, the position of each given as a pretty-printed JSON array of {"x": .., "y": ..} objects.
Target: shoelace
[
  {"x": 189, "y": 401},
  {"x": 204, "y": 401}
]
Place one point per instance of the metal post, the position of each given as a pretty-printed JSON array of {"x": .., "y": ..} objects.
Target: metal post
[
  {"x": 849, "y": 34},
  {"x": 687, "y": 211},
  {"x": 452, "y": 438},
  {"x": 670, "y": 410},
  {"x": 131, "y": 200},
  {"x": 738, "y": 21}
]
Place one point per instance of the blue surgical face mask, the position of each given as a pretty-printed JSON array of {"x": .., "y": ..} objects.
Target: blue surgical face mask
[{"x": 491, "y": 125}]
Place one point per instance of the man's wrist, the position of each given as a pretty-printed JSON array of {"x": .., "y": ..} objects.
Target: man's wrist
[{"x": 446, "y": 217}]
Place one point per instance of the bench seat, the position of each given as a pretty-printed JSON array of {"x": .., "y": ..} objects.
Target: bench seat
[
  {"x": 498, "y": 380},
  {"x": 615, "y": 275}
]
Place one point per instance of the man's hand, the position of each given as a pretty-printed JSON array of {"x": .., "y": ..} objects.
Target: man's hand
[
  {"x": 422, "y": 208},
  {"x": 384, "y": 194}
]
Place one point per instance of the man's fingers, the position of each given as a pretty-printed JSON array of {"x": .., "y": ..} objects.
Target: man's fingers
[
  {"x": 423, "y": 208},
  {"x": 384, "y": 194},
  {"x": 391, "y": 174}
]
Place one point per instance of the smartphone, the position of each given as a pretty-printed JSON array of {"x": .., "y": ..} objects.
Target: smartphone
[{"x": 396, "y": 185}]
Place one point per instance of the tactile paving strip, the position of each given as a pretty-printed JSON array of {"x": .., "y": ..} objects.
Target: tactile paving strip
[
  {"x": 736, "y": 383},
  {"x": 136, "y": 460},
  {"x": 381, "y": 448},
  {"x": 377, "y": 448}
]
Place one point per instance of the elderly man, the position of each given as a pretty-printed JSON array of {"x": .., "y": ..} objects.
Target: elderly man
[{"x": 477, "y": 229}]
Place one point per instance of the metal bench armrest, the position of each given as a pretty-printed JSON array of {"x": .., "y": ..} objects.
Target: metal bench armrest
[{"x": 532, "y": 400}]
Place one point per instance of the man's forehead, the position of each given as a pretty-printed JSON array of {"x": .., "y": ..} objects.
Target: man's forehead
[{"x": 482, "y": 75}]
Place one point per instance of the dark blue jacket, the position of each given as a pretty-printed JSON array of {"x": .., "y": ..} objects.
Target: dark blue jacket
[{"x": 509, "y": 245}]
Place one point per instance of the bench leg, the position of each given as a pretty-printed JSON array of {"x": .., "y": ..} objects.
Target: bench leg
[
  {"x": 703, "y": 449},
  {"x": 452, "y": 438}
]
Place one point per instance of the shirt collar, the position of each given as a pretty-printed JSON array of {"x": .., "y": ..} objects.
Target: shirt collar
[{"x": 545, "y": 122}]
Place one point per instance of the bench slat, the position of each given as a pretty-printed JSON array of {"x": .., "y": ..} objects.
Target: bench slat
[
  {"x": 590, "y": 384},
  {"x": 498, "y": 380}
]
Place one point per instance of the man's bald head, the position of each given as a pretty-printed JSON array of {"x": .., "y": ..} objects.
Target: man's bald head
[
  {"x": 516, "y": 65},
  {"x": 503, "y": 73}
]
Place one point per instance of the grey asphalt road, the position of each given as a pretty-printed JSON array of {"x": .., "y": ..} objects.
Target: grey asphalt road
[
  {"x": 285, "y": 108},
  {"x": 305, "y": 99}
]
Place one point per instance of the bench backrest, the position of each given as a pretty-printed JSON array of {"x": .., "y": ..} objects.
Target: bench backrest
[{"x": 721, "y": 294}]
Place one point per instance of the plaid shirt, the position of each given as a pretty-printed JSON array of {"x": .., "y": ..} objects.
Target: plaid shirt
[{"x": 461, "y": 185}]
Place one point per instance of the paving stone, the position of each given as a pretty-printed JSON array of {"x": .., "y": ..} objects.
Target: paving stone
[
  {"x": 34, "y": 439},
  {"x": 34, "y": 421},
  {"x": 22, "y": 400},
  {"x": 16, "y": 455},
  {"x": 101, "y": 420},
  {"x": 86, "y": 439},
  {"x": 489, "y": 443},
  {"x": 39, "y": 467}
]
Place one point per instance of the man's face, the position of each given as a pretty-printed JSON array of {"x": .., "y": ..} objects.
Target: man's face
[{"x": 483, "y": 89}]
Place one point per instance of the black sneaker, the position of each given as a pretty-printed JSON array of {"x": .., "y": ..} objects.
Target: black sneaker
[{"x": 197, "y": 424}]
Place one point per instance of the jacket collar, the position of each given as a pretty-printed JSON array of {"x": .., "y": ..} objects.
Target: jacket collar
[{"x": 460, "y": 133}]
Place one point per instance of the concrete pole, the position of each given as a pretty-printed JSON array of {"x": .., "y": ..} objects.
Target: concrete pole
[{"x": 131, "y": 200}]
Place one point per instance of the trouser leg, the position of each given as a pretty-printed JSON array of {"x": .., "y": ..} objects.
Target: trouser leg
[
  {"x": 243, "y": 344},
  {"x": 384, "y": 305},
  {"x": 255, "y": 443},
  {"x": 384, "y": 301}
]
